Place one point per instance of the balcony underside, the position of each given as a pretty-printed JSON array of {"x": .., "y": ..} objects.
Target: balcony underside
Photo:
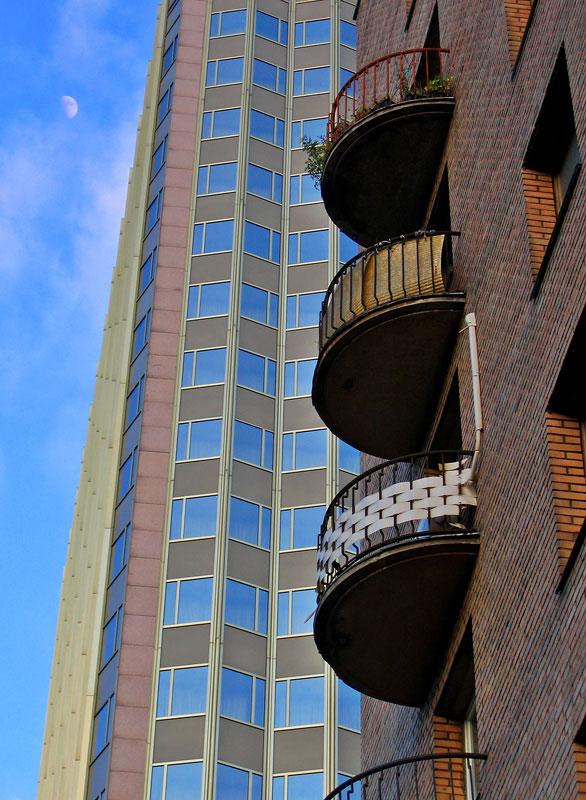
[
  {"x": 383, "y": 624},
  {"x": 377, "y": 380},
  {"x": 379, "y": 175}
]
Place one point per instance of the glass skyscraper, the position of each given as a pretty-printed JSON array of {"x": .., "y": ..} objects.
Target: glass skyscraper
[{"x": 184, "y": 664}]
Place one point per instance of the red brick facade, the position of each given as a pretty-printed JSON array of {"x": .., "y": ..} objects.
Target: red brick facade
[{"x": 529, "y": 639}]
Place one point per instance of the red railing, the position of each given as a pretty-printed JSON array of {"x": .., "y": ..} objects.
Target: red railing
[{"x": 405, "y": 75}]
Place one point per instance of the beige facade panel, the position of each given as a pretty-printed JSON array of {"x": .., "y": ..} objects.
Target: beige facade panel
[
  {"x": 245, "y": 650},
  {"x": 297, "y": 655},
  {"x": 299, "y": 413},
  {"x": 308, "y": 217},
  {"x": 201, "y": 403},
  {"x": 297, "y": 568},
  {"x": 248, "y": 564},
  {"x": 258, "y": 409},
  {"x": 298, "y": 162},
  {"x": 270, "y": 51},
  {"x": 267, "y": 101},
  {"x": 347, "y": 11},
  {"x": 258, "y": 338},
  {"x": 223, "y": 96},
  {"x": 215, "y": 206},
  {"x": 185, "y": 644},
  {"x": 228, "y": 5},
  {"x": 347, "y": 58},
  {"x": 302, "y": 343},
  {"x": 191, "y": 558},
  {"x": 213, "y": 267},
  {"x": 320, "y": 9},
  {"x": 259, "y": 272},
  {"x": 240, "y": 744},
  {"x": 277, "y": 9},
  {"x": 251, "y": 483},
  {"x": 179, "y": 739},
  {"x": 311, "y": 106},
  {"x": 226, "y": 47},
  {"x": 348, "y": 752},
  {"x": 299, "y": 749},
  {"x": 207, "y": 332},
  {"x": 263, "y": 212},
  {"x": 196, "y": 477},
  {"x": 217, "y": 151},
  {"x": 305, "y": 487},
  {"x": 307, "y": 278},
  {"x": 268, "y": 155},
  {"x": 345, "y": 477},
  {"x": 317, "y": 55}
]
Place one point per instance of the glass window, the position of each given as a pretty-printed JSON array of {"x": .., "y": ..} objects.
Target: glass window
[
  {"x": 182, "y": 691},
  {"x": 299, "y": 377},
  {"x": 348, "y": 248},
  {"x": 303, "y": 190},
  {"x": 208, "y": 300},
  {"x": 246, "y": 606},
  {"x": 250, "y": 522},
  {"x": 269, "y": 129},
  {"x": 271, "y": 27},
  {"x": 141, "y": 333},
  {"x": 303, "y": 310},
  {"x": 269, "y": 76},
  {"x": 299, "y": 702},
  {"x": 111, "y": 635},
  {"x": 258, "y": 304},
  {"x": 300, "y": 527},
  {"x": 188, "y": 601},
  {"x": 237, "y": 784},
  {"x": 265, "y": 183},
  {"x": 217, "y": 178},
  {"x": 227, "y": 23},
  {"x": 134, "y": 402},
  {"x": 304, "y": 449},
  {"x": 308, "y": 246},
  {"x": 169, "y": 55},
  {"x": 311, "y": 81},
  {"x": 103, "y": 722},
  {"x": 242, "y": 697},
  {"x": 348, "y": 706},
  {"x": 193, "y": 517},
  {"x": 253, "y": 445},
  {"x": 349, "y": 457},
  {"x": 199, "y": 439},
  {"x": 203, "y": 367},
  {"x": 347, "y": 33},
  {"x": 308, "y": 129},
  {"x": 126, "y": 474},
  {"x": 147, "y": 271},
  {"x": 225, "y": 122},
  {"x": 315, "y": 31},
  {"x": 119, "y": 554},
  {"x": 256, "y": 372},
  {"x": 224, "y": 71},
  {"x": 153, "y": 212},
  {"x": 213, "y": 237},
  {"x": 262, "y": 242},
  {"x": 180, "y": 781},
  {"x": 307, "y": 785},
  {"x": 159, "y": 157},
  {"x": 295, "y": 612},
  {"x": 165, "y": 104}
]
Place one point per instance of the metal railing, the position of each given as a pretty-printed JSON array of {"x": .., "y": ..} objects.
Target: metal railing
[
  {"x": 408, "y": 266},
  {"x": 394, "y": 78},
  {"x": 437, "y": 776},
  {"x": 408, "y": 499}
]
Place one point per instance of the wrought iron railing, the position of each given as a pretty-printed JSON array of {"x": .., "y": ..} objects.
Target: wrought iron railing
[
  {"x": 408, "y": 499},
  {"x": 394, "y": 78},
  {"x": 408, "y": 266},
  {"x": 438, "y": 776}
]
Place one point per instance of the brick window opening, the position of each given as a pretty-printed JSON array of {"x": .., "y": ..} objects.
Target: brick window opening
[
  {"x": 565, "y": 438},
  {"x": 580, "y": 761},
  {"x": 518, "y": 13},
  {"x": 550, "y": 169}
]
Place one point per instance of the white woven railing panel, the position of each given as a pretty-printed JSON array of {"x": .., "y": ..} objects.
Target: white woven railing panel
[{"x": 437, "y": 497}]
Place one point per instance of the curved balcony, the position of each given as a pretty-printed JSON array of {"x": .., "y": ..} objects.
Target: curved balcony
[
  {"x": 387, "y": 329},
  {"x": 395, "y": 554},
  {"x": 450, "y": 776},
  {"x": 385, "y": 138}
]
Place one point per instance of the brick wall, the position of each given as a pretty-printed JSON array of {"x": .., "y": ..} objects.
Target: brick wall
[
  {"x": 529, "y": 640},
  {"x": 541, "y": 213},
  {"x": 517, "y": 13}
]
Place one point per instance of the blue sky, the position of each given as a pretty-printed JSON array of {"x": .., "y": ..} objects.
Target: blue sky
[{"x": 62, "y": 191}]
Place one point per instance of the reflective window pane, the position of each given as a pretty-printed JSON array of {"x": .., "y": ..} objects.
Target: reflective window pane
[
  {"x": 200, "y": 516},
  {"x": 195, "y": 600},
  {"x": 206, "y": 438},
  {"x": 189, "y": 691},
  {"x": 240, "y": 604},
  {"x": 236, "y": 695},
  {"x": 183, "y": 782}
]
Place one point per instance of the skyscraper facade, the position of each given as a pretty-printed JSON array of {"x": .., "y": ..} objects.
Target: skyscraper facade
[{"x": 184, "y": 664}]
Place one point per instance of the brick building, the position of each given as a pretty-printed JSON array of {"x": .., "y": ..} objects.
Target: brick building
[{"x": 451, "y": 583}]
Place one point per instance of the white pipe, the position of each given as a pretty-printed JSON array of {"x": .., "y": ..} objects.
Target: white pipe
[{"x": 478, "y": 424}]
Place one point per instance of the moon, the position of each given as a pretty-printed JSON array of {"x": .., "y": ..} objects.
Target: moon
[{"x": 69, "y": 105}]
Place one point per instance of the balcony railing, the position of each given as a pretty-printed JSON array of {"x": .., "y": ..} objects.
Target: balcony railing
[
  {"x": 394, "y": 78},
  {"x": 438, "y": 776},
  {"x": 406, "y": 267},
  {"x": 409, "y": 499}
]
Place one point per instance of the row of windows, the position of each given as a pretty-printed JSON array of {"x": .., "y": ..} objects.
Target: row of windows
[
  {"x": 183, "y": 782},
  {"x": 311, "y": 80},
  {"x": 213, "y": 299},
  {"x": 226, "y": 122}
]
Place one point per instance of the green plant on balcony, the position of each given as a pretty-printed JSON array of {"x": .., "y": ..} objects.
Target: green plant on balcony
[
  {"x": 316, "y": 151},
  {"x": 440, "y": 86}
]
